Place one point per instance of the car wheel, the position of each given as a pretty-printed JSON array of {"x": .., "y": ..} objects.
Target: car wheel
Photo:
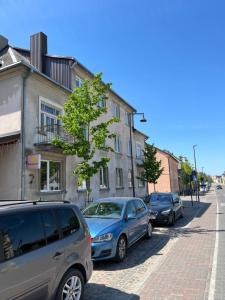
[
  {"x": 149, "y": 231},
  {"x": 121, "y": 249},
  {"x": 171, "y": 220},
  {"x": 182, "y": 212},
  {"x": 71, "y": 286}
]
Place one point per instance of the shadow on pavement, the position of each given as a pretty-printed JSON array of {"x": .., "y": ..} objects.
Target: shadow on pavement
[
  {"x": 137, "y": 253},
  {"x": 102, "y": 292}
]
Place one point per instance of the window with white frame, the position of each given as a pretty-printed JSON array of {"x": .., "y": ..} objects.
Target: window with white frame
[
  {"x": 116, "y": 110},
  {"x": 117, "y": 144},
  {"x": 139, "y": 151},
  {"x": 104, "y": 178},
  {"x": 141, "y": 183},
  {"x": 50, "y": 175},
  {"x": 83, "y": 186},
  {"x": 119, "y": 177},
  {"x": 129, "y": 175},
  {"x": 78, "y": 81},
  {"x": 129, "y": 148},
  {"x": 101, "y": 103},
  {"x": 49, "y": 121}
]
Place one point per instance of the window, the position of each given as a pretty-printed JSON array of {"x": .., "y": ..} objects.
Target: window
[
  {"x": 78, "y": 82},
  {"x": 104, "y": 180},
  {"x": 130, "y": 184},
  {"x": 139, "y": 151},
  {"x": 119, "y": 177},
  {"x": 21, "y": 233},
  {"x": 50, "y": 175},
  {"x": 129, "y": 148},
  {"x": 117, "y": 144},
  {"x": 101, "y": 103},
  {"x": 49, "y": 118},
  {"x": 139, "y": 206},
  {"x": 141, "y": 183},
  {"x": 50, "y": 226},
  {"x": 116, "y": 110},
  {"x": 131, "y": 209},
  {"x": 83, "y": 186},
  {"x": 68, "y": 221},
  {"x": 127, "y": 118}
]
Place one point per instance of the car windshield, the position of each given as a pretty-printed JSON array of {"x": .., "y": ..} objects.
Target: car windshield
[
  {"x": 104, "y": 210},
  {"x": 159, "y": 199}
]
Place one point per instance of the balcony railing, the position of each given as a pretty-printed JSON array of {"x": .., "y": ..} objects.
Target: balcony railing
[{"x": 47, "y": 133}]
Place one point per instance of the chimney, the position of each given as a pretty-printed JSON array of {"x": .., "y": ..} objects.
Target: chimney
[
  {"x": 38, "y": 48},
  {"x": 3, "y": 42}
]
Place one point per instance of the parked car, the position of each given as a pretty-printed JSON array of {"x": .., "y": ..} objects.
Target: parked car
[
  {"x": 115, "y": 224},
  {"x": 168, "y": 207},
  {"x": 219, "y": 187},
  {"x": 45, "y": 251}
]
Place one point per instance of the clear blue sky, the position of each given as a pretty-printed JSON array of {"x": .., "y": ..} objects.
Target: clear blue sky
[{"x": 166, "y": 57}]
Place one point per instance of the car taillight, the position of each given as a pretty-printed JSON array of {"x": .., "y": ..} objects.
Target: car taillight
[{"x": 89, "y": 240}]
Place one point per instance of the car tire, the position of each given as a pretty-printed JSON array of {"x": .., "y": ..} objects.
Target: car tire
[
  {"x": 121, "y": 249},
  {"x": 71, "y": 283},
  {"x": 182, "y": 212},
  {"x": 149, "y": 231},
  {"x": 171, "y": 220}
]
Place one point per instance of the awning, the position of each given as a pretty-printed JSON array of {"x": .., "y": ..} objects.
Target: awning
[{"x": 9, "y": 139}]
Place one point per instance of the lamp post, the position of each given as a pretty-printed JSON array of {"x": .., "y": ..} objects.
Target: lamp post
[
  {"x": 196, "y": 183},
  {"x": 143, "y": 120}
]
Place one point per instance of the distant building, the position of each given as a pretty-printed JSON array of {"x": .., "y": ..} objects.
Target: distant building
[{"x": 168, "y": 181}]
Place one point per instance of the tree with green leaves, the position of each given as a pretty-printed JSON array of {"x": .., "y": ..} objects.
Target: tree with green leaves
[
  {"x": 88, "y": 134},
  {"x": 152, "y": 167}
]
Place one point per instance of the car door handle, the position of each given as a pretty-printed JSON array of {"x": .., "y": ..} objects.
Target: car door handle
[{"x": 57, "y": 255}]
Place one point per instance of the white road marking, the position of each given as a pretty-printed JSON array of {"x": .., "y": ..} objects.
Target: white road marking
[{"x": 212, "y": 286}]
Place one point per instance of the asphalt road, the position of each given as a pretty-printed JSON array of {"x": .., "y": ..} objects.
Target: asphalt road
[{"x": 220, "y": 247}]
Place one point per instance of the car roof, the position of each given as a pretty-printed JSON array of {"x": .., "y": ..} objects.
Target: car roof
[
  {"x": 116, "y": 199},
  {"x": 12, "y": 205}
]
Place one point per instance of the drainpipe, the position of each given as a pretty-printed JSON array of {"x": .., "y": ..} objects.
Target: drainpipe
[{"x": 23, "y": 161}]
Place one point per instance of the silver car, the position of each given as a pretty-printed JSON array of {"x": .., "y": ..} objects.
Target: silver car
[{"x": 45, "y": 251}]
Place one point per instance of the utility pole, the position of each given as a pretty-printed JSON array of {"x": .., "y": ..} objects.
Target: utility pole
[{"x": 196, "y": 182}]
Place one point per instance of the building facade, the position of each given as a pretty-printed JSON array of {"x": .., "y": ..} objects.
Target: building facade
[
  {"x": 169, "y": 179},
  {"x": 33, "y": 89}
]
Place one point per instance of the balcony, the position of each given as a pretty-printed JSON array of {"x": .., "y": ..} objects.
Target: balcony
[
  {"x": 46, "y": 133},
  {"x": 140, "y": 160}
]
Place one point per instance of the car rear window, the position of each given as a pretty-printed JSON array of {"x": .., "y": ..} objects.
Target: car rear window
[
  {"x": 68, "y": 221},
  {"x": 21, "y": 233}
]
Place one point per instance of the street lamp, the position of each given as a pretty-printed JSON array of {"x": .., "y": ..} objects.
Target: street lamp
[
  {"x": 196, "y": 182},
  {"x": 143, "y": 120}
]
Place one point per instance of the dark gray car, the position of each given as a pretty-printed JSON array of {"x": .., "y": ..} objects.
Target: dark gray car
[
  {"x": 45, "y": 251},
  {"x": 168, "y": 207}
]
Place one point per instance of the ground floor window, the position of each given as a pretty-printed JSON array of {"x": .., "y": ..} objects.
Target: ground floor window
[
  {"x": 104, "y": 180},
  {"x": 130, "y": 178},
  {"x": 83, "y": 186},
  {"x": 119, "y": 177},
  {"x": 141, "y": 183},
  {"x": 51, "y": 175}
]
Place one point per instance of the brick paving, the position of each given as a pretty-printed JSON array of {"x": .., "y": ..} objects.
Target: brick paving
[
  {"x": 174, "y": 264},
  {"x": 186, "y": 271}
]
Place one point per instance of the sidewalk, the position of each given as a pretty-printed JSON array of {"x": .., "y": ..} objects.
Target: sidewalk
[{"x": 186, "y": 271}]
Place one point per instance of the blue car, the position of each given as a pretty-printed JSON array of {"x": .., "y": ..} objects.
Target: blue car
[{"x": 115, "y": 224}]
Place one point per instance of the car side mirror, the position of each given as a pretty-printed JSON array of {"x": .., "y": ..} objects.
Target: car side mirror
[
  {"x": 131, "y": 216},
  {"x": 175, "y": 201}
]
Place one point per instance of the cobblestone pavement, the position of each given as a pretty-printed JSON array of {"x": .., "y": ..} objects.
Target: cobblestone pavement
[{"x": 145, "y": 263}]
